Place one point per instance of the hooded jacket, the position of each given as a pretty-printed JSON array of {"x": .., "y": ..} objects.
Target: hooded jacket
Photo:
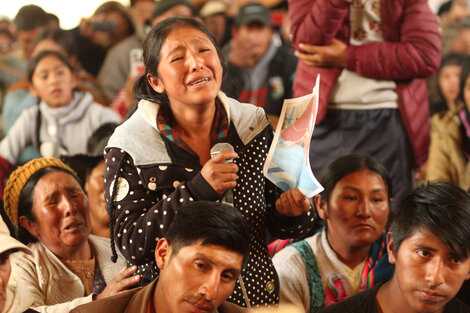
[{"x": 411, "y": 51}]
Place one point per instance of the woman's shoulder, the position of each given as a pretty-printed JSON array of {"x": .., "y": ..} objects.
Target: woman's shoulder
[
  {"x": 102, "y": 250},
  {"x": 27, "y": 261},
  {"x": 248, "y": 119},
  {"x": 298, "y": 250},
  {"x": 139, "y": 137},
  {"x": 235, "y": 105},
  {"x": 445, "y": 122},
  {"x": 94, "y": 107}
]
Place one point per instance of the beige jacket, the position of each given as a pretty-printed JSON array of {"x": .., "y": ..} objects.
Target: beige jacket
[
  {"x": 45, "y": 284},
  {"x": 446, "y": 162}
]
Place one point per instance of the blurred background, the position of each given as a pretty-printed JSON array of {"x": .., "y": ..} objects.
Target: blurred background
[{"x": 69, "y": 12}]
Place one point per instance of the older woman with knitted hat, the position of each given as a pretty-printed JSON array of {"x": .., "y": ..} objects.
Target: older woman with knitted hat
[{"x": 68, "y": 266}]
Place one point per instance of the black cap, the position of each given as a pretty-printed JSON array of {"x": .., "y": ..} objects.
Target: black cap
[
  {"x": 253, "y": 12},
  {"x": 165, "y": 5}
]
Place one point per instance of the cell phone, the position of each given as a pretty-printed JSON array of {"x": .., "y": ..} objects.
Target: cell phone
[
  {"x": 137, "y": 62},
  {"x": 104, "y": 26}
]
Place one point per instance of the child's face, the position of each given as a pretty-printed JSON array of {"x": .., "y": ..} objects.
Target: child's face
[
  {"x": 449, "y": 82},
  {"x": 53, "y": 82}
]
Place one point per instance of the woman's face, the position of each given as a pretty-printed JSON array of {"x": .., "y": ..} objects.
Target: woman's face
[
  {"x": 449, "y": 82},
  {"x": 5, "y": 270},
  {"x": 189, "y": 71},
  {"x": 357, "y": 211},
  {"x": 95, "y": 191},
  {"x": 53, "y": 82},
  {"x": 60, "y": 208},
  {"x": 466, "y": 92}
]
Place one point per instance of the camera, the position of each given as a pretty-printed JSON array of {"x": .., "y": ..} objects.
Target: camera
[{"x": 104, "y": 26}]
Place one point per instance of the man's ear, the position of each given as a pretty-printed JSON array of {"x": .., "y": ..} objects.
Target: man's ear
[
  {"x": 322, "y": 207},
  {"x": 30, "y": 226},
  {"x": 156, "y": 83},
  {"x": 391, "y": 254},
  {"x": 162, "y": 253}
]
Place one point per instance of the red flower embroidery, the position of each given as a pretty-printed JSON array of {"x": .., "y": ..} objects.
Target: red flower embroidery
[
  {"x": 374, "y": 26},
  {"x": 359, "y": 34}
]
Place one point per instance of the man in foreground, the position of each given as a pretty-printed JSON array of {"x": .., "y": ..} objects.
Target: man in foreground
[
  {"x": 429, "y": 244},
  {"x": 200, "y": 260}
]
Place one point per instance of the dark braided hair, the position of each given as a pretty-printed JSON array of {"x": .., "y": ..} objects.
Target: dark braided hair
[{"x": 111, "y": 208}]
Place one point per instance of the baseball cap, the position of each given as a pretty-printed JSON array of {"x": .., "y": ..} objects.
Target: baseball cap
[
  {"x": 7, "y": 242},
  {"x": 253, "y": 12}
]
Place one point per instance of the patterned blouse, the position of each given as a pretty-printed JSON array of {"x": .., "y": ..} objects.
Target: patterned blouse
[{"x": 156, "y": 177}]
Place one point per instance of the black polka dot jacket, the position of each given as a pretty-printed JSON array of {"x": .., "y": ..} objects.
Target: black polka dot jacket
[{"x": 155, "y": 178}]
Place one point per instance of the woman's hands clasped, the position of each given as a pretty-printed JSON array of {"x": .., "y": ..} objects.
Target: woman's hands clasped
[{"x": 292, "y": 203}]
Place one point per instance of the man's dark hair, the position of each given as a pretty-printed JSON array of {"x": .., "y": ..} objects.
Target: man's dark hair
[
  {"x": 211, "y": 223},
  {"x": 441, "y": 208},
  {"x": 30, "y": 17}
]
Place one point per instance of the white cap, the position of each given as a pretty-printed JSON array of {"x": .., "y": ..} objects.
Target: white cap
[
  {"x": 7, "y": 242},
  {"x": 213, "y": 7},
  {"x": 4, "y": 18}
]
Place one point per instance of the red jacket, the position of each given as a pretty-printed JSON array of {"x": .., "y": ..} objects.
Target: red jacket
[{"x": 411, "y": 51}]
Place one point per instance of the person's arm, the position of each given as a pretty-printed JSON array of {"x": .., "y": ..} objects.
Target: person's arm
[
  {"x": 100, "y": 115},
  {"x": 142, "y": 211},
  {"x": 29, "y": 290},
  {"x": 316, "y": 22},
  {"x": 36, "y": 282},
  {"x": 416, "y": 55}
]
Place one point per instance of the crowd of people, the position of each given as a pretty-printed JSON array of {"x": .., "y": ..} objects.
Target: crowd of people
[{"x": 115, "y": 198}]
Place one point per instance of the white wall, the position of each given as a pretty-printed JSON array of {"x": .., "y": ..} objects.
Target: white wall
[{"x": 69, "y": 11}]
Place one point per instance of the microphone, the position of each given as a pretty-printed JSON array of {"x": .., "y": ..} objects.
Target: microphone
[{"x": 227, "y": 197}]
